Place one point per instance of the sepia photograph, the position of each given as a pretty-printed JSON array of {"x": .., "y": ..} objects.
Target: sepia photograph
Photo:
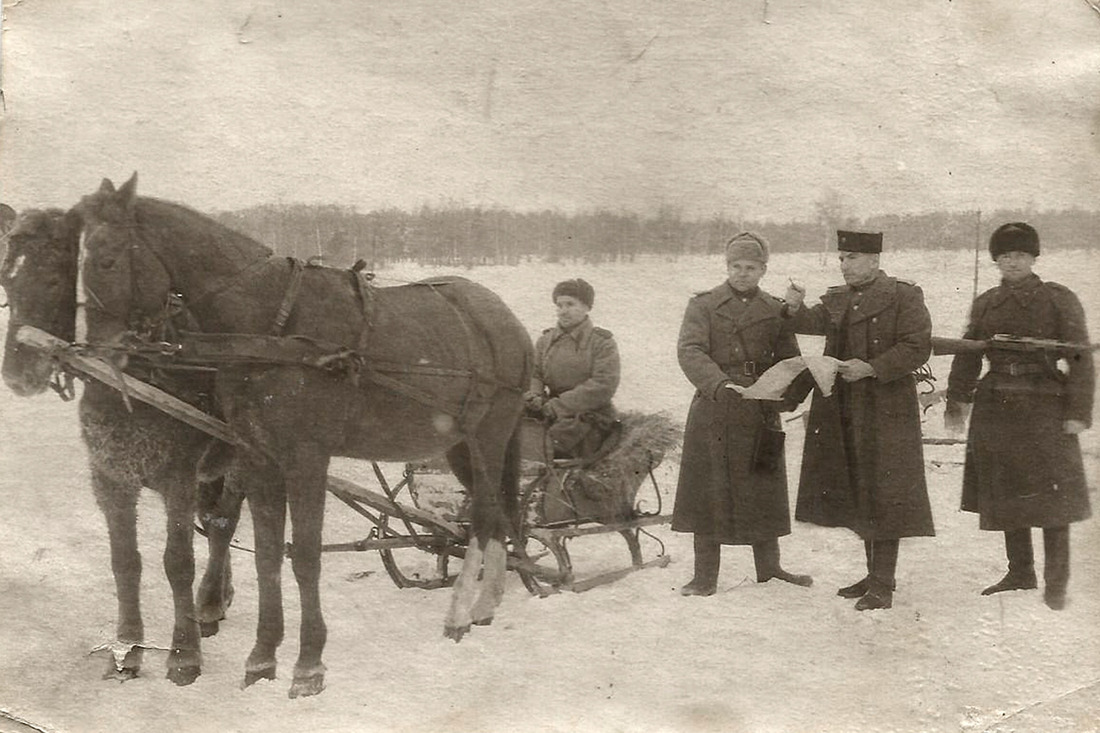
[{"x": 652, "y": 366}]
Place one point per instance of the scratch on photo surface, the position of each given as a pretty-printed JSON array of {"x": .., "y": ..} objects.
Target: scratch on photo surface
[
  {"x": 22, "y": 726},
  {"x": 1039, "y": 703},
  {"x": 1094, "y": 5},
  {"x": 645, "y": 48},
  {"x": 119, "y": 650},
  {"x": 243, "y": 28}
]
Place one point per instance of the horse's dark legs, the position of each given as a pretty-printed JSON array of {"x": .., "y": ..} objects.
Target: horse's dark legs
[
  {"x": 267, "y": 504},
  {"x": 219, "y": 511},
  {"x": 118, "y": 502},
  {"x": 305, "y": 482},
  {"x": 185, "y": 659}
]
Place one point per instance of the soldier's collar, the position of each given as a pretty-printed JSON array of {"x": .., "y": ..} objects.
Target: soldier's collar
[
  {"x": 576, "y": 332},
  {"x": 1030, "y": 282},
  {"x": 746, "y": 295}
]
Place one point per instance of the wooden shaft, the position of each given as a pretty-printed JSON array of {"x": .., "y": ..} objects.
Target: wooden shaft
[{"x": 112, "y": 377}]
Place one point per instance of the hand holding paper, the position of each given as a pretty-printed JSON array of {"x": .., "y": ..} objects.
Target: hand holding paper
[{"x": 773, "y": 383}]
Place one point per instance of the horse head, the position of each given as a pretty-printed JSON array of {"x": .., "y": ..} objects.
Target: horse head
[
  {"x": 39, "y": 274},
  {"x": 144, "y": 257},
  {"x": 125, "y": 282}
]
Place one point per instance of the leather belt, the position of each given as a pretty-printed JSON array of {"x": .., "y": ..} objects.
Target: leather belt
[
  {"x": 741, "y": 369},
  {"x": 1019, "y": 369}
]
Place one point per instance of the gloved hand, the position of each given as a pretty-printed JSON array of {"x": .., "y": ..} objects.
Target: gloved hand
[
  {"x": 955, "y": 415},
  {"x": 725, "y": 392},
  {"x": 789, "y": 404},
  {"x": 532, "y": 403},
  {"x": 1073, "y": 427},
  {"x": 548, "y": 411},
  {"x": 795, "y": 295}
]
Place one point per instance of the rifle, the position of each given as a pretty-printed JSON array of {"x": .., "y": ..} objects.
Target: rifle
[{"x": 1006, "y": 342}]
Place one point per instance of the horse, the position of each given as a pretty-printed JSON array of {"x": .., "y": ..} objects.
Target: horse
[
  {"x": 403, "y": 373},
  {"x": 126, "y": 451}
]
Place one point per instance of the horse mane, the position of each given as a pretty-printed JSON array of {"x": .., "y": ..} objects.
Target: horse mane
[
  {"x": 52, "y": 224},
  {"x": 169, "y": 217}
]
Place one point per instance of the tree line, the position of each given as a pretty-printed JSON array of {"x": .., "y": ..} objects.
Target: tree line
[{"x": 468, "y": 236}]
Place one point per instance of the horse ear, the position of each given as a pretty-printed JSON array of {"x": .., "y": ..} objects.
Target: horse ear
[
  {"x": 127, "y": 191},
  {"x": 106, "y": 187}
]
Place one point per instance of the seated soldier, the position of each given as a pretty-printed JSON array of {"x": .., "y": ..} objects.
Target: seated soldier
[{"x": 576, "y": 373}]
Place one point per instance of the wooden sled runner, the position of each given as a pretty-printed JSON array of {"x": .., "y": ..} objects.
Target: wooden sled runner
[{"x": 561, "y": 500}]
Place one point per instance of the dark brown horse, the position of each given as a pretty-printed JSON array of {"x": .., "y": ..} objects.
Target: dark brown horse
[
  {"x": 126, "y": 450},
  {"x": 427, "y": 368}
]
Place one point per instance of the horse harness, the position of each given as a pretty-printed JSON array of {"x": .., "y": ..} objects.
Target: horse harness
[{"x": 181, "y": 347}]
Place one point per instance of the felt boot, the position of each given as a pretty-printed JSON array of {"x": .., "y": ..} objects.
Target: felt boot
[
  {"x": 1021, "y": 563},
  {"x": 766, "y": 557},
  {"x": 708, "y": 557},
  {"x": 881, "y": 582},
  {"x": 1055, "y": 566}
]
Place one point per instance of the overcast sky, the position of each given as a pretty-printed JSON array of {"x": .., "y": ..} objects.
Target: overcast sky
[{"x": 752, "y": 108}]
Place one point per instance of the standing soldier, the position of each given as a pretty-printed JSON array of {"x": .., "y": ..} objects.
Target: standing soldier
[
  {"x": 1023, "y": 460},
  {"x": 863, "y": 463},
  {"x": 732, "y": 488}
]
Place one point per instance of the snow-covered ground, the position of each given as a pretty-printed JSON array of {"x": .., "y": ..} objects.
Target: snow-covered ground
[{"x": 631, "y": 656}]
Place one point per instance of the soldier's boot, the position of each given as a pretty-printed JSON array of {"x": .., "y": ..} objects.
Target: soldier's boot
[
  {"x": 766, "y": 557},
  {"x": 881, "y": 582},
  {"x": 708, "y": 557},
  {"x": 858, "y": 589},
  {"x": 1055, "y": 566},
  {"x": 1021, "y": 563}
]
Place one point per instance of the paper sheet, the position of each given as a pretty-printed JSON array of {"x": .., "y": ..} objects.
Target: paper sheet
[{"x": 772, "y": 383}]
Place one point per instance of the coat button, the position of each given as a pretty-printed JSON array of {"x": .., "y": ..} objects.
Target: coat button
[{"x": 874, "y": 320}]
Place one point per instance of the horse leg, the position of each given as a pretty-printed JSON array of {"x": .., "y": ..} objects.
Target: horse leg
[
  {"x": 496, "y": 556},
  {"x": 462, "y": 597},
  {"x": 458, "y": 620},
  {"x": 118, "y": 502},
  {"x": 305, "y": 482},
  {"x": 185, "y": 659},
  {"x": 267, "y": 504},
  {"x": 480, "y": 586},
  {"x": 219, "y": 512}
]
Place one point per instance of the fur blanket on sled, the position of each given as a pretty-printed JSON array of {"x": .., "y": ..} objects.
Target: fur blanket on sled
[{"x": 603, "y": 491}]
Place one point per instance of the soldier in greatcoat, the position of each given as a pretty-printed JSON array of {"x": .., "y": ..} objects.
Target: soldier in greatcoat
[
  {"x": 732, "y": 488},
  {"x": 863, "y": 464},
  {"x": 575, "y": 375},
  {"x": 1023, "y": 460}
]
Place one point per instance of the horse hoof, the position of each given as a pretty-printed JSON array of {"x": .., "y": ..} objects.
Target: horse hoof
[
  {"x": 208, "y": 628},
  {"x": 253, "y": 676},
  {"x": 456, "y": 632},
  {"x": 306, "y": 686},
  {"x": 182, "y": 676},
  {"x": 483, "y": 621},
  {"x": 125, "y": 674}
]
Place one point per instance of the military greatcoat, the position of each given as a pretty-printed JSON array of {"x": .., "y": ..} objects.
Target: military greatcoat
[
  {"x": 863, "y": 462},
  {"x": 578, "y": 372},
  {"x": 1022, "y": 469},
  {"x": 727, "y": 336}
]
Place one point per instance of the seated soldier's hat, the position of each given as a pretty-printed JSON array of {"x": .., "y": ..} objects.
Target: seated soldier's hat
[
  {"x": 1015, "y": 236},
  {"x": 575, "y": 288},
  {"x": 868, "y": 242}
]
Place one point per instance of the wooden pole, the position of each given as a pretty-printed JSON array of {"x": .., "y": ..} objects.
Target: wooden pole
[
  {"x": 977, "y": 252},
  {"x": 112, "y": 377}
]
